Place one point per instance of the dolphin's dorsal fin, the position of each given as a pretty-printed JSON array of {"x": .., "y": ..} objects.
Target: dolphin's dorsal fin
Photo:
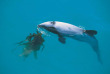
[{"x": 91, "y": 32}]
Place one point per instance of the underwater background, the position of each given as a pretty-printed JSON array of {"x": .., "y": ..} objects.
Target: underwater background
[{"x": 18, "y": 18}]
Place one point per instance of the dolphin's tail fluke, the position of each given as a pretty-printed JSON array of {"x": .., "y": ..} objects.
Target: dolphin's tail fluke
[
  {"x": 95, "y": 46},
  {"x": 96, "y": 49}
]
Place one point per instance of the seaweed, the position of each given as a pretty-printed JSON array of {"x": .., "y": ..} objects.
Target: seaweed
[{"x": 32, "y": 43}]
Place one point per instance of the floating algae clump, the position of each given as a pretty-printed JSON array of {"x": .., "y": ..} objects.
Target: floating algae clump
[{"x": 32, "y": 43}]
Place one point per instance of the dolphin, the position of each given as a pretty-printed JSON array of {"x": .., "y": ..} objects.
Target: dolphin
[{"x": 63, "y": 30}]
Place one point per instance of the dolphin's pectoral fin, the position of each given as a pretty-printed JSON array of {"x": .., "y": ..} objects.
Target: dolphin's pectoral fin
[
  {"x": 61, "y": 39},
  {"x": 90, "y": 32}
]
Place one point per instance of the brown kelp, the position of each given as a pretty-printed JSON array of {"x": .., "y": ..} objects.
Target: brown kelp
[{"x": 32, "y": 43}]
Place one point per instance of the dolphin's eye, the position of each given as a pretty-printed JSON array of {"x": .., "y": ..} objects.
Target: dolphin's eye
[{"x": 53, "y": 22}]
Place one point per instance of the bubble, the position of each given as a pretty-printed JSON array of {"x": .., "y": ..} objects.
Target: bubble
[
  {"x": 45, "y": 33},
  {"x": 82, "y": 27}
]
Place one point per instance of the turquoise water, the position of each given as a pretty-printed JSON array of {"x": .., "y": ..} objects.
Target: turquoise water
[{"x": 18, "y": 18}]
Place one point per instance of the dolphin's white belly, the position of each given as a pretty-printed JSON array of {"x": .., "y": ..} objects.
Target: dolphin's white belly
[{"x": 68, "y": 29}]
